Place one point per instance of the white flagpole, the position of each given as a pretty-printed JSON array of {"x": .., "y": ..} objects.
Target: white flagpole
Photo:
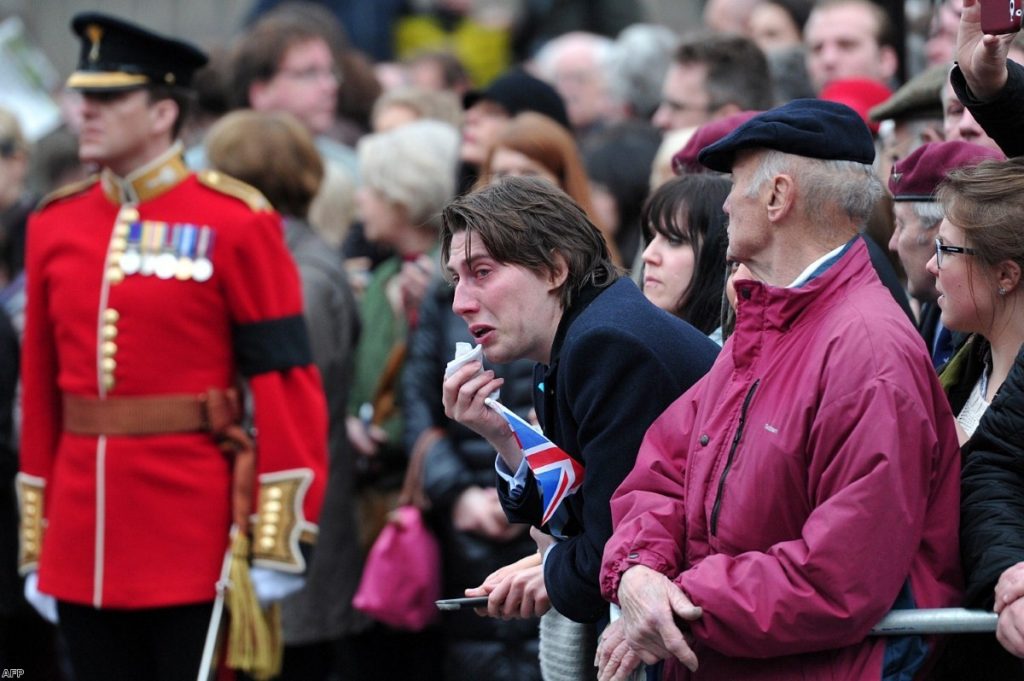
[{"x": 206, "y": 666}]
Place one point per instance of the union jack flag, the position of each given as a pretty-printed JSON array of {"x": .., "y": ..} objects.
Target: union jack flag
[{"x": 557, "y": 473}]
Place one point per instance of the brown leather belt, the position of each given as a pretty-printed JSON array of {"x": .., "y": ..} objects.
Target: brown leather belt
[{"x": 212, "y": 411}]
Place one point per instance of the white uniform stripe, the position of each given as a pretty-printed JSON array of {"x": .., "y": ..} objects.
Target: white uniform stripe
[
  {"x": 101, "y": 509},
  {"x": 101, "y": 442}
]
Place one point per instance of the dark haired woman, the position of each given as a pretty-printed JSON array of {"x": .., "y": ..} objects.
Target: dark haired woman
[{"x": 684, "y": 261}]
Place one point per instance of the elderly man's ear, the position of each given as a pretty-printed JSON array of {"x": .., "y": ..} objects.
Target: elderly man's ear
[{"x": 781, "y": 198}]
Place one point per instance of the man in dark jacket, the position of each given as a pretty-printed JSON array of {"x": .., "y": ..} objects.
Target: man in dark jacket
[{"x": 533, "y": 280}]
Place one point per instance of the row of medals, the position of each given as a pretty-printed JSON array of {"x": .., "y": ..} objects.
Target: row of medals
[{"x": 144, "y": 249}]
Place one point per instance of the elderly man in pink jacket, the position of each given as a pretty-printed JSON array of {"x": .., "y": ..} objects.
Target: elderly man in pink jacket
[{"x": 809, "y": 483}]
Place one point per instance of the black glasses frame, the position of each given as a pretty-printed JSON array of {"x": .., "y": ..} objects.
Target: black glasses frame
[{"x": 941, "y": 248}]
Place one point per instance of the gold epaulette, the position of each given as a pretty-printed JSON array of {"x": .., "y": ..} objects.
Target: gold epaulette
[
  {"x": 225, "y": 184},
  {"x": 67, "y": 190}
]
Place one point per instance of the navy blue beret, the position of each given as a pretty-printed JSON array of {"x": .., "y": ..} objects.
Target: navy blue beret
[{"x": 805, "y": 127}]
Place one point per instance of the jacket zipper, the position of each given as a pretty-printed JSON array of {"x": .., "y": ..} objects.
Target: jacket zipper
[{"x": 732, "y": 452}]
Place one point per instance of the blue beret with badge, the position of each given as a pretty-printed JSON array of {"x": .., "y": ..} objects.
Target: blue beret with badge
[
  {"x": 118, "y": 55},
  {"x": 813, "y": 128}
]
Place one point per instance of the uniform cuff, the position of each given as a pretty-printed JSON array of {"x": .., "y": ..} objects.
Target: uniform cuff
[{"x": 280, "y": 526}]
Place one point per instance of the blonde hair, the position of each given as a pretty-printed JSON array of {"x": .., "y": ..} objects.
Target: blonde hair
[{"x": 412, "y": 166}]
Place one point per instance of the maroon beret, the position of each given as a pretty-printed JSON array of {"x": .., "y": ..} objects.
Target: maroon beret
[
  {"x": 916, "y": 177},
  {"x": 685, "y": 160}
]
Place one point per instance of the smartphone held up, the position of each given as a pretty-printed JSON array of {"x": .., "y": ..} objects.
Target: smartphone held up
[{"x": 1000, "y": 16}]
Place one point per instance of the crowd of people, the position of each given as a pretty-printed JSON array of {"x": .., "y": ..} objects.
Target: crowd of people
[{"x": 753, "y": 284}]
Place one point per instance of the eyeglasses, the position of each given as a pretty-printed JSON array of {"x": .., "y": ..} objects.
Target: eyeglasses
[
  {"x": 941, "y": 248},
  {"x": 311, "y": 74}
]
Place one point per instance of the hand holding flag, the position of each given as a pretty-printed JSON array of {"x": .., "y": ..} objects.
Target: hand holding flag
[{"x": 557, "y": 473}]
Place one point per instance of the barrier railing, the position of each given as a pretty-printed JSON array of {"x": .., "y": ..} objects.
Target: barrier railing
[{"x": 936, "y": 621}]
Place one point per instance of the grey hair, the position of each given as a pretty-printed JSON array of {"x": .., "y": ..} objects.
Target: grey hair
[
  {"x": 413, "y": 166},
  {"x": 638, "y": 63},
  {"x": 547, "y": 55},
  {"x": 929, "y": 213},
  {"x": 851, "y": 187}
]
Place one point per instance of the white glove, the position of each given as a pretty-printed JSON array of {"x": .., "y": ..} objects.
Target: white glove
[
  {"x": 272, "y": 586},
  {"x": 44, "y": 604}
]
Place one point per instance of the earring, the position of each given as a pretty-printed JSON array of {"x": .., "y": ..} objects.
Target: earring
[{"x": 1002, "y": 291}]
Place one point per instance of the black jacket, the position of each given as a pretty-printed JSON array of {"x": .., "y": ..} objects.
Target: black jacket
[
  {"x": 1002, "y": 117},
  {"x": 992, "y": 517},
  {"x": 992, "y": 499}
]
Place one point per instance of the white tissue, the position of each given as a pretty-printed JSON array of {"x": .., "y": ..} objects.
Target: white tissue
[{"x": 465, "y": 353}]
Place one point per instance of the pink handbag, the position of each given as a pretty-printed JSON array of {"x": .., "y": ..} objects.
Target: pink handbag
[{"x": 402, "y": 576}]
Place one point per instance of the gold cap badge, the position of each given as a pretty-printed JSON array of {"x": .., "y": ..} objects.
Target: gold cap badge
[{"x": 95, "y": 34}]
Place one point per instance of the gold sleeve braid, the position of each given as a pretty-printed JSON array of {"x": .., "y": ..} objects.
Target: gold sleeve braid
[
  {"x": 30, "y": 504},
  {"x": 280, "y": 525}
]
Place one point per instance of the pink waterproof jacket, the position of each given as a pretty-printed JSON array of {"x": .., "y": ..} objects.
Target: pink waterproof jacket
[{"x": 804, "y": 488}]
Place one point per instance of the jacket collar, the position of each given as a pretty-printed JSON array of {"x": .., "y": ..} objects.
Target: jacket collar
[
  {"x": 581, "y": 301},
  {"x": 147, "y": 182},
  {"x": 762, "y": 306}
]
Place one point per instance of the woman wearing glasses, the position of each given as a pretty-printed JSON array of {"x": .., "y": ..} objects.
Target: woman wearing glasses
[
  {"x": 981, "y": 289},
  {"x": 979, "y": 253}
]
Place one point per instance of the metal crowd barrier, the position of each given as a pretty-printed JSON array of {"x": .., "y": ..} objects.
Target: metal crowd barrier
[{"x": 936, "y": 621}]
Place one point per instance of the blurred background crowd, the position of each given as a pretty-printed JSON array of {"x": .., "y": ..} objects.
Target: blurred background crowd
[{"x": 360, "y": 119}]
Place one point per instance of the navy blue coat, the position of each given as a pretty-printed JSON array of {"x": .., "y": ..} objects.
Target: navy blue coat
[{"x": 617, "y": 362}]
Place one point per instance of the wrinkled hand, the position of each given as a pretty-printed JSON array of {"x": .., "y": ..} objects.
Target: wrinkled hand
[
  {"x": 272, "y": 586},
  {"x": 615, "y": 660},
  {"x": 478, "y": 511},
  {"x": 516, "y": 590},
  {"x": 982, "y": 58},
  {"x": 1010, "y": 628},
  {"x": 650, "y": 603},
  {"x": 413, "y": 282},
  {"x": 463, "y": 394},
  {"x": 1010, "y": 586},
  {"x": 44, "y": 604}
]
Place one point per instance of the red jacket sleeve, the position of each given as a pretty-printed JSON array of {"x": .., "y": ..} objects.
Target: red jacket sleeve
[{"x": 289, "y": 407}]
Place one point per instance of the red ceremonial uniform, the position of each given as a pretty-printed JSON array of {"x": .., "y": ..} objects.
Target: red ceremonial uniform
[{"x": 142, "y": 521}]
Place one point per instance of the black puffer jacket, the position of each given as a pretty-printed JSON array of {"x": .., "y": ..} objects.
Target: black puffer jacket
[
  {"x": 992, "y": 514},
  {"x": 475, "y": 647}
]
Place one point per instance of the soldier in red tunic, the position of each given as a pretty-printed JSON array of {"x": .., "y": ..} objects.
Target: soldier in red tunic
[{"x": 152, "y": 293}]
